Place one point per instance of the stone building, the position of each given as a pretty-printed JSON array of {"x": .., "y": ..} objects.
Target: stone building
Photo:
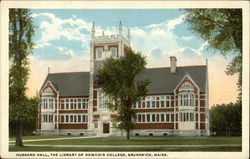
[{"x": 176, "y": 104}]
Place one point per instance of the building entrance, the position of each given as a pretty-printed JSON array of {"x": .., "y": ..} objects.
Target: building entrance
[{"x": 106, "y": 128}]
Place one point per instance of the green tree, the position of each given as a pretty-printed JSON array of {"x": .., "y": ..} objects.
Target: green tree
[
  {"x": 30, "y": 119},
  {"x": 222, "y": 28},
  {"x": 225, "y": 119},
  {"x": 21, "y": 31},
  {"x": 117, "y": 78}
]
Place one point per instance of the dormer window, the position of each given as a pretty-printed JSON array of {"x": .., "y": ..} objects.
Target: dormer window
[
  {"x": 186, "y": 95},
  {"x": 113, "y": 51}
]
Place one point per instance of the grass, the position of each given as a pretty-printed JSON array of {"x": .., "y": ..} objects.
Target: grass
[
  {"x": 229, "y": 141},
  {"x": 39, "y": 137},
  {"x": 26, "y": 148},
  {"x": 222, "y": 140}
]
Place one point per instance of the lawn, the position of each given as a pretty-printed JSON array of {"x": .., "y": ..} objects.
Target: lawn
[
  {"x": 38, "y": 137},
  {"x": 229, "y": 141},
  {"x": 205, "y": 141},
  {"x": 38, "y": 148}
]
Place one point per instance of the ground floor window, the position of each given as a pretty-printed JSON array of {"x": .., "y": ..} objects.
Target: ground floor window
[
  {"x": 185, "y": 117},
  {"x": 47, "y": 118}
]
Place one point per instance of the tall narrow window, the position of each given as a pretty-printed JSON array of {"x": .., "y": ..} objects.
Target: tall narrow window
[
  {"x": 148, "y": 117},
  {"x": 153, "y": 117},
  {"x": 139, "y": 117},
  {"x": 113, "y": 51},
  {"x": 99, "y": 52}
]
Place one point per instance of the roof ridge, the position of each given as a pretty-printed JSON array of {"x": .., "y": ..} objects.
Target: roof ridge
[
  {"x": 70, "y": 72},
  {"x": 176, "y": 66}
]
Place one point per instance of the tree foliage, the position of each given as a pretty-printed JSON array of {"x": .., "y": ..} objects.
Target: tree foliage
[
  {"x": 29, "y": 117},
  {"x": 222, "y": 28},
  {"x": 117, "y": 78},
  {"x": 21, "y": 31},
  {"x": 225, "y": 119}
]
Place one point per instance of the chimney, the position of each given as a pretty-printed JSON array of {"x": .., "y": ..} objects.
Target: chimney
[{"x": 173, "y": 64}]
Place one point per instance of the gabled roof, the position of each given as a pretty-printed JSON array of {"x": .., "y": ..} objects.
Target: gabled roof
[
  {"x": 70, "y": 83},
  {"x": 163, "y": 81}
]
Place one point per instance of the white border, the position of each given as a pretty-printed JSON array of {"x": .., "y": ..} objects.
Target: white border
[{"x": 5, "y": 5}]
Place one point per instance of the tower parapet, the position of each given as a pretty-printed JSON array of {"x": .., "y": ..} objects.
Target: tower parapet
[{"x": 109, "y": 45}]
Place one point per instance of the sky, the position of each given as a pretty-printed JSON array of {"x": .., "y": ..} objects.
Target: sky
[{"x": 63, "y": 37}]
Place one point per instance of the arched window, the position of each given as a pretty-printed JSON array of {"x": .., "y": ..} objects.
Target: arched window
[{"x": 186, "y": 95}]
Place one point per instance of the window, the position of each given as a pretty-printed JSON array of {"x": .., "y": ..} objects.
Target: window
[
  {"x": 45, "y": 118},
  {"x": 79, "y": 118},
  {"x": 71, "y": 118},
  {"x": 67, "y": 103},
  {"x": 153, "y": 117},
  {"x": 167, "y": 117},
  {"x": 185, "y": 117},
  {"x": 186, "y": 96},
  {"x": 103, "y": 99},
  {"x": 66, "y": 118},
  {"x": 153, "y": 101},
  {"x": 138, "y": 104},
  {"x": 168, "y": 101},
  {"x": 50, "y": 118},
  {"x": 113, "y": 51},
  {"x": 96, "y": 125},
  {"x": 148, "y": 117},
  {"x": 47, "y": 103},
  {"x": 51, "y": 103},
  {"x": 139, "y": 117},
  {"x": 48, "y": 91},
  {"x": 84, "y": 118},
  {"x": 162, "y": 117},
  {"x": 71, "y": 104},
  {"x": 99, "y": 52},
  {"x": 162, "y": 101},
  {"x": 82, "y": 103},
  {"x": 81, "y": 134},
  {"x": 79, "y": 103}
]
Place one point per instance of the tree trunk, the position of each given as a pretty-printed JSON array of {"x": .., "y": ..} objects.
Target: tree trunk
[
  {"x": 19, "y": 140},
  {"x": 128, "y": 134}
]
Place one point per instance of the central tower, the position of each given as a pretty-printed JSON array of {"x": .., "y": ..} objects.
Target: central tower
[{"x": 102, "y": 47}]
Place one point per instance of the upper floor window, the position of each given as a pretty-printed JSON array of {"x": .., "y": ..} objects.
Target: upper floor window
[
  {"x": 186, "y": 95},
  {"x": 75, "y": 103},
  {"x": 113, "y": 51},
  {"x": 48, "y": 103},
  {"x": 163, "y": 101},
  {"x": 47, "y": 91},
  {"x": 102, "y": 99},
  {"x": 186, "y": 87},
  {"x": 99, "y": 52}
]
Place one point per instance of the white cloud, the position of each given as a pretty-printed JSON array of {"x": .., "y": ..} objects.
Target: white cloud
[
  {"x": 56, "y": 28},
  {"x": 172, "y": 23},
  {"x": 65, "y": 51},
  {"x": 199, "y": 51}
]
